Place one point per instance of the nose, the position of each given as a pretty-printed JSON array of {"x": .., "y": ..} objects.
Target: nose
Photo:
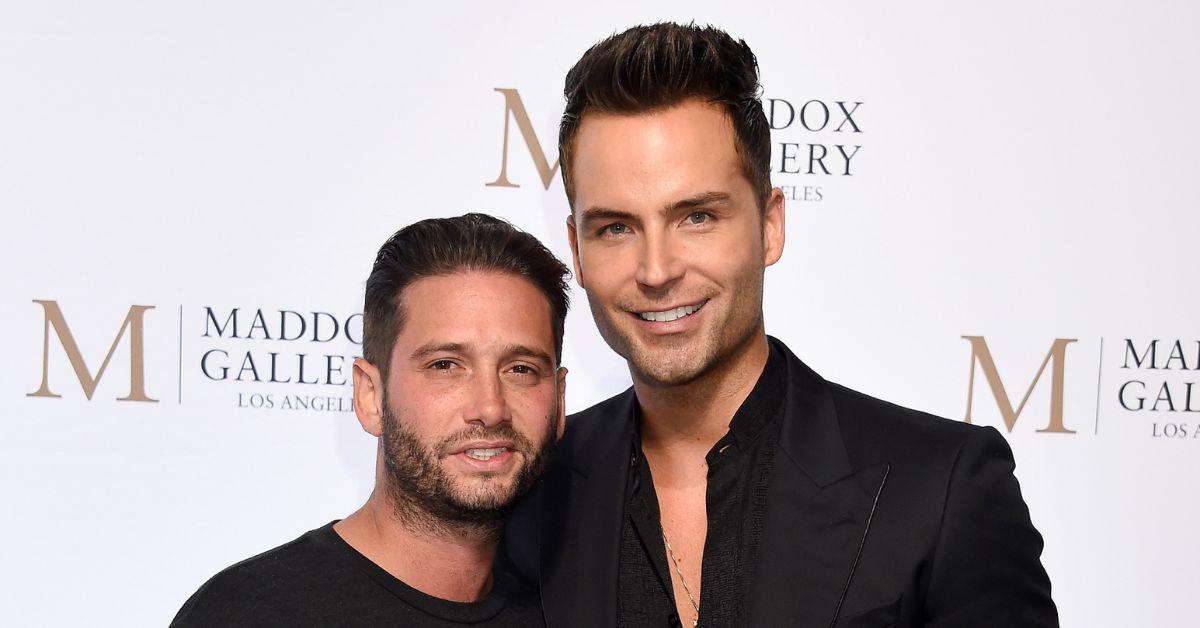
[
  {"x": 488, "y": 406},
  {"x": 660, "y": 264}
]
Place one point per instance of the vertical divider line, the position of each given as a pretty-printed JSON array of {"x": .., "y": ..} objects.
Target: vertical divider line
[
  {"x": 1099, "y": 374},
  {"x": 179, "y": 383}
]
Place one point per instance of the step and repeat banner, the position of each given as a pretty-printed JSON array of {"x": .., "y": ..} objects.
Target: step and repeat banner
[{"x": 990, "y": 217}]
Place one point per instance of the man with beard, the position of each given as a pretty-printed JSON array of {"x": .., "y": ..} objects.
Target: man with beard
[
  {"x": 459, "y": 379},
  {"x": 732, "y": 485}
]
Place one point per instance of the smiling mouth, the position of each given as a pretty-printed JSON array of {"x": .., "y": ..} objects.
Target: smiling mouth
[
  {"x": 667, "y": 316},
  {"x": 481, "y": 453}
]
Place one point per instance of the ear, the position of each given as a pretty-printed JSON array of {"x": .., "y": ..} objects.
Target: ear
[
  {"x": 562, "y": 401},
  {"x": 572, "y": 235},
  {"x": 368, "y": 396},
  {"x": 774, "y": 228}
]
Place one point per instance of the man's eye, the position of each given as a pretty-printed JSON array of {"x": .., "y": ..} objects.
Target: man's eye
[
  {"x": 442, "y": 365},
  {"x": 697, "y": 218},
  {"x": 615, "y": 229},
  {"x": 523, "y": 369}
]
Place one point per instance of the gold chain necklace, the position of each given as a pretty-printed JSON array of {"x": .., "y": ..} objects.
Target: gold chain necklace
[{"x": 690, "y": 597}]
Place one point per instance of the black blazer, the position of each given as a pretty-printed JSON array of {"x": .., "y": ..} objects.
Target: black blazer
[{"x": 876, "y": 516}]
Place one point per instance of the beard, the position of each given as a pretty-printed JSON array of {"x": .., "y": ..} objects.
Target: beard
[
  {"x": 676, "y": 360},
  {"x": 423, "y": 493}
]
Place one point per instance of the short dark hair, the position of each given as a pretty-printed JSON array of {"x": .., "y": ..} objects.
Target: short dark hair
[
  {"x": 443, "y": 246},
  {"x": 649, "y": 68}
]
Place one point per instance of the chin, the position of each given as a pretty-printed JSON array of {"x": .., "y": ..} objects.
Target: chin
[
  {"x": 485, "y": 486},
  {"x": 667, "y": 367},
  {"x": 671, "y": 378},
  {"x": 492, "y": 500}
]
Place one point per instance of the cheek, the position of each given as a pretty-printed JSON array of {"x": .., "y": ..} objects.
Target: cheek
[
  {"x": 606, "y": 268},
  {"x": 533, "y": 405},
  {"x": 727, "y": 255},
  {"x": 424, "y": 406}
]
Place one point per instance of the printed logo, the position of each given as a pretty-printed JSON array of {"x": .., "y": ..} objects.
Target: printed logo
[
  {"x": 514, "y": 110},
  {"x": 981, "y": 356},
  {"x": 811, "y": 139},
  {"x": 257, "y": 358},
  {"x": 1148, "y": 388},
  {"x": 134, "y": 323}
]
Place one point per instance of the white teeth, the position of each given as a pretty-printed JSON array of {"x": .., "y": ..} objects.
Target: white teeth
[
  {"x": 671, "y": 315},
  {"x": 485, "y": 454}
]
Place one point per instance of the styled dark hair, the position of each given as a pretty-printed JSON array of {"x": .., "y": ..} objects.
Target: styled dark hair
[
  {"x": 443, "y": 246},
  {"x": 649, "y": 68}
]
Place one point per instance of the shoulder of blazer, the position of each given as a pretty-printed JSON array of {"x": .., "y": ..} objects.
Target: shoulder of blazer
[
  {"x": 586, "y": 433},
  {"x": 595, "y": 429},
  {"x": 875, "y": 430}
]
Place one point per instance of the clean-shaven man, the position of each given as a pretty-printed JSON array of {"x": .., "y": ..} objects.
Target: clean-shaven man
[
  {"x": 732, "y": 485},
  {"x": 459, "y": 379}
]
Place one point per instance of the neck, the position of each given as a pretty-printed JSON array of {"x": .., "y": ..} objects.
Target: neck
[
  {"x": 445, "y": 561},
  {"x": 687, "y": 420}
]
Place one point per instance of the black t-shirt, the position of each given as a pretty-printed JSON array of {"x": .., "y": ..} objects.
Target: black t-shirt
[{"x": 320, "y": 580}]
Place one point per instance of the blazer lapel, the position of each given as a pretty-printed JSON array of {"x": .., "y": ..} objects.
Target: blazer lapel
[
  {"x": 819, "y": 511},
  {"x": 581, "y": 525}
]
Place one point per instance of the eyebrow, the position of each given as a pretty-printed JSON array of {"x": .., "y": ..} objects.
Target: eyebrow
[
  {"x": 526, "y": 351},
  {"x": 436, "y": 347},
  {"x": 699, "y": 200},
  {"x": 704, "y": 199}
]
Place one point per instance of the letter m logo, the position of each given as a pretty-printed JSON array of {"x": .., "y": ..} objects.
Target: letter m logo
[
  {"x": 982, "y": 356},
  {"x": 514, "y": 109},
  {"x": 137, "y": 355}
]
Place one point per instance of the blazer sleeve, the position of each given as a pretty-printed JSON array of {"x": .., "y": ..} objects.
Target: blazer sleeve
[
  {"x": 986, "y": 568},
  {"x": 519, "y": 549}
]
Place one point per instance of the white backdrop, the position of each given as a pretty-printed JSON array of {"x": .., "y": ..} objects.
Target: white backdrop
[{"x": 1022, "y": 175}]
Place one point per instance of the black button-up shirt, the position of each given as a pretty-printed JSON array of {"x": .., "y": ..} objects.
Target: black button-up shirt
[{"x": 739, "y": 466}]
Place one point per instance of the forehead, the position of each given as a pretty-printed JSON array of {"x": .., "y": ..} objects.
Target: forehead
[
  {"x": 485, "y": 309},
  {"x": 677, "y": 152}
]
